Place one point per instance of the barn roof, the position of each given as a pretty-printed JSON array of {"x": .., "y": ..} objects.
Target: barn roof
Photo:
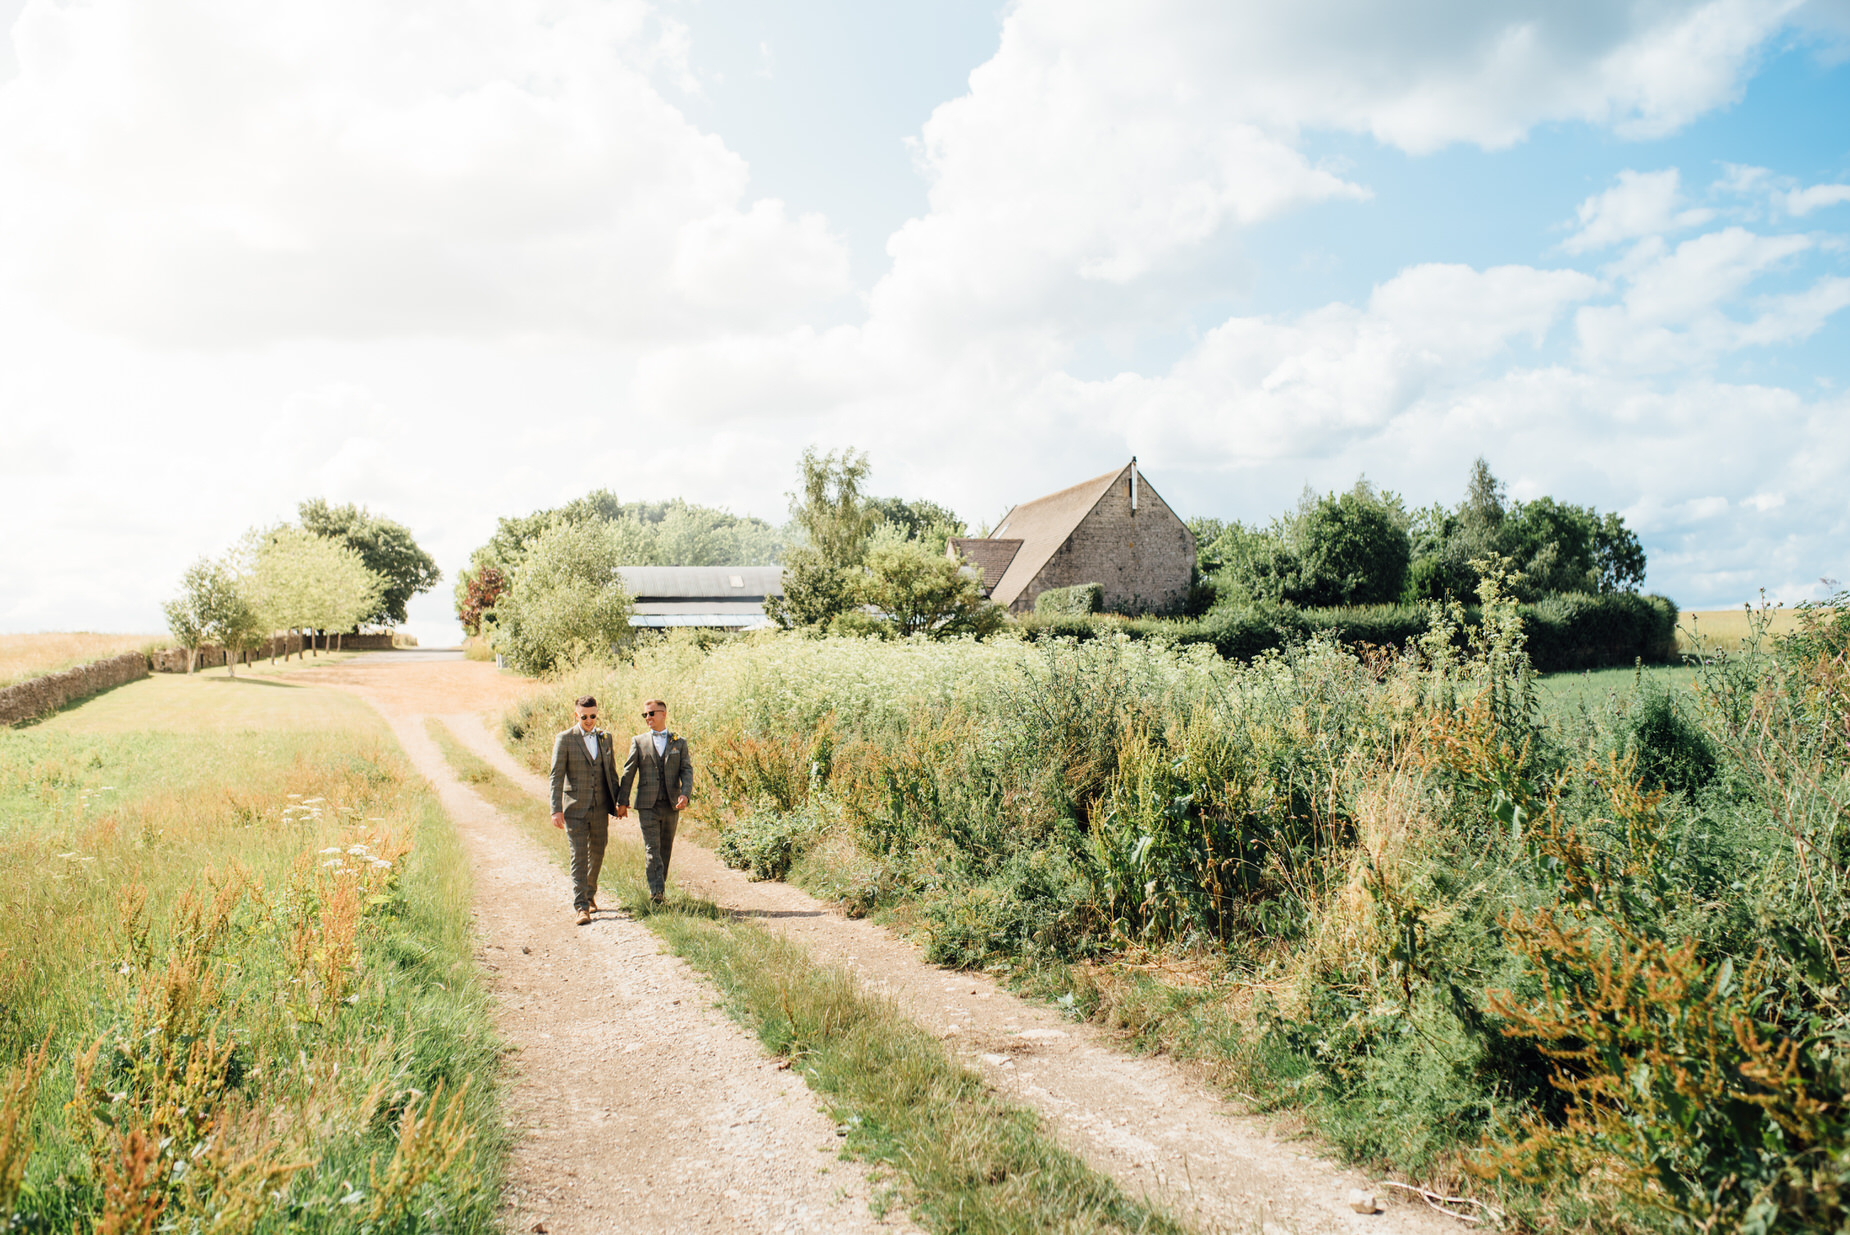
[
  {"x": 1042, "y": 526},
  {"x": 990, "y": 556}
]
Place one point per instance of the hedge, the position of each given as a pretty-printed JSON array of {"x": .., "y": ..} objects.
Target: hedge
[
  {"x": 1574, "y": 631},
  {"x": 1075, "y": 601}
]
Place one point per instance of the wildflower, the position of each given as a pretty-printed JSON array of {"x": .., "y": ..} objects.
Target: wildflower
[
  {"x": 381, "y": 862},
  {"x": 334, "y": 862},
  {"x": 356, "y": 849},
  {"x": 332, "y": 849}
]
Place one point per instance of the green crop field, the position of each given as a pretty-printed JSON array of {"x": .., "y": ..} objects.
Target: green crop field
[{"x": 236, "y": 987}]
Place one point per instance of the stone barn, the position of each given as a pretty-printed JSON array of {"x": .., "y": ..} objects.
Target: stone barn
[{"x": 1113, "y": 530}]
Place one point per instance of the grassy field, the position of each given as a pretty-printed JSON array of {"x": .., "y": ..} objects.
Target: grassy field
[
  {"x": 236, "y": 923},
  {"x": 32, "y": 656},
  {"x": 1598, "y": 690},
  {"x": 967, "y": 1161}
]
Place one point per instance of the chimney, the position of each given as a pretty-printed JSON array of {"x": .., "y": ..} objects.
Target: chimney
[{"x": 1133, "y": 484}]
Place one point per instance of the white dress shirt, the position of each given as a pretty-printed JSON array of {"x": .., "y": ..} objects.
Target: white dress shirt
[
  {"x": 591, "y": 746},
  {"x": 661, "y": 743}
]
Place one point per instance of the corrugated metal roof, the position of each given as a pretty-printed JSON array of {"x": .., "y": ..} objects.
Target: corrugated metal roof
[{"x": 703, "y": 582}]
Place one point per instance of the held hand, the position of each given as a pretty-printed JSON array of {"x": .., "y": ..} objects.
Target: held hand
[
  {"x": 623, "y": 812},
  {"x": 558, "y": 819},
  {"x": 680, "y": 803}
]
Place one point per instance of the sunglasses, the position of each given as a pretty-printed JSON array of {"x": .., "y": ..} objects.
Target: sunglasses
[
  {"x": 649, "y": 713},
  {"x": 587, "y": 716}
]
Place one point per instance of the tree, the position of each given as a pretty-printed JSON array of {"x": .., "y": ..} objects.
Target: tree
[
  {"x": 385, "y": 547},
  {"x": 567, "y": 602},
  {"x": 919, "y": 592},
  {"x": 231, "y": 620},
  {"x": 1337, "y": 549},
  {"x": 301, "y": 581},
  {"x": 815, "y": 592},
  {"x": 831, "y": 510},
  {"x": 480, "y": 588},
  {"x": 919, "y": 520},
  {"x": 186, "y": 613},
  {"x": 213, "y": 607},
  {"x": 1619, "y": 556},
  {"x": 1549, "y": 547}
]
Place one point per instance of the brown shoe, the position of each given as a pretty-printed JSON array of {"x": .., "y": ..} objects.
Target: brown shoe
[
  {"x": 657, "y": 897},
  {"x": 594, "y": 904},
  {"x": 584, "y": 917}
]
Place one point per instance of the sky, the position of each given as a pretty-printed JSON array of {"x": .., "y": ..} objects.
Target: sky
[{"x": 467, "y": 259}]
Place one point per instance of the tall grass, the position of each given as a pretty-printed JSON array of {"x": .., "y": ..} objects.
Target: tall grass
[
  {"x": 248, "y": 961},
  {"x": 1589, "y": 962},
  {"x": 23, "y": 657}
]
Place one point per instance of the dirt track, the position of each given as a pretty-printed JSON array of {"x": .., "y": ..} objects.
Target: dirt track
[{"x": 647, "y": 1110}]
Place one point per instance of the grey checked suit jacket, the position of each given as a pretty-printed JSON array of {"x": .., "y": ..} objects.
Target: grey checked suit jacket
[
  {"x": 646, "y": 772},
  {"x": 573, "y": 773}
]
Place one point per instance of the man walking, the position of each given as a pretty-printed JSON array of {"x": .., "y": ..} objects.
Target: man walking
[
  {"x": 663, "y": 774},
  {"x": 584, "y": 792}
]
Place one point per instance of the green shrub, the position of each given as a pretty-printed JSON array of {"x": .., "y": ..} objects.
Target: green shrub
[
  {"x": 1077, "y": 601},
  {"x": 1671, "y": 748},
  {"x": 765, "y": 843},
  {"x": 1039, "y": 904}
]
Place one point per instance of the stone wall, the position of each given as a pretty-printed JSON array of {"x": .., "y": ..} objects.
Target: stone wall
[
  {"x": 51, "y": 692},
  {"x": 1143, "y": 559},
  {"x": 210, "y": 656}
]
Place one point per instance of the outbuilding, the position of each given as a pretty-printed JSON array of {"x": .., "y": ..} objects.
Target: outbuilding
[
  {"x": 1114, "y": 530},
  {"x": 719, "y": 597}
]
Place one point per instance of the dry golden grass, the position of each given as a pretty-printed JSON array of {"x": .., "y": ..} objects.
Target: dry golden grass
[
  {"x": 1726, "y": 629},
  {"x": 31, "y": 656}
]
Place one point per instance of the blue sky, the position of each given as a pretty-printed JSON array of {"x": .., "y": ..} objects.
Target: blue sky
[{"x": 456, "y": 263}]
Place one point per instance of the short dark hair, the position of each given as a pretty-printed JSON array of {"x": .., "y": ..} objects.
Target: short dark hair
[{"x": 586, "y": 701}]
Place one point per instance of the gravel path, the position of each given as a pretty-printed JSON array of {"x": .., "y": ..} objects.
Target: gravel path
[
  {"x": 1149, "y": 1123},
  {"x": 640, "y": 1106}
]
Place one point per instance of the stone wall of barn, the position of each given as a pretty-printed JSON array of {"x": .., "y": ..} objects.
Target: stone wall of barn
[{"x": 1142, "y": 558}]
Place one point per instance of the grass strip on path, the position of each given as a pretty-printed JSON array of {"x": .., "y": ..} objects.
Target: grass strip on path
[{"x": 968, "y": 1161}]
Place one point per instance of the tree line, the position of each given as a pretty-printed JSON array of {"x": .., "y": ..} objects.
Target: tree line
[
  {"x": 340, "y": 568},
  {"x": 1364, "y": 547},
  {"x": 545, "y": 590}
]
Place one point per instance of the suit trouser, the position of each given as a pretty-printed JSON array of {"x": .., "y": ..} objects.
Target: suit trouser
[
  {"x": 588, "y": 837},
  {"x": 658, "y": 825}
]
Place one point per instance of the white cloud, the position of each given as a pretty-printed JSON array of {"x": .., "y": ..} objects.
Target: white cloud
[
  {"x": 1817, "y": 197},
  {"x": 1641, "y": 204},
  {"x": 1681, "y": 309},
  {"x": 215, "y": 172}
]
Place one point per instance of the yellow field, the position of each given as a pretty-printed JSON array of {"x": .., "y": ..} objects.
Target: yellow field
[
  {"x": 1725, "y": 629},
  {"x": 31, "y": 656}
]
